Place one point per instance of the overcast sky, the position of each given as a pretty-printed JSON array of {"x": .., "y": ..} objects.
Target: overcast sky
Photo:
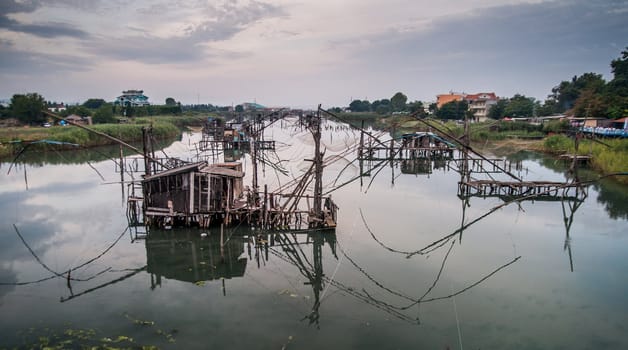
[{"x": 303, "y": 52}]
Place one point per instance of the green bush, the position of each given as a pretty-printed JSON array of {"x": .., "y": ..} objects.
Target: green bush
[
  {"x": 125, "y": 132},
  {"x": 558, "y": 144},
  {"x": 556, "y": 126}
]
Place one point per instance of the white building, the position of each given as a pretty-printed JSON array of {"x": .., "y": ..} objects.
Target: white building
[{"x": 133, "y": 98}]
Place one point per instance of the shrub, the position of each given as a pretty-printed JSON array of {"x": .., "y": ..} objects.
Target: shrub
[{"x": 558, "y": 144}]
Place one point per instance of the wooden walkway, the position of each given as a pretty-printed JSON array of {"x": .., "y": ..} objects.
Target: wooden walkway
[
  {"x": 577, "y": 158},
  {"x": 245, "y": 145},
  {"x": 516, "y": 189},
  {"x": 404, "y": 153}
]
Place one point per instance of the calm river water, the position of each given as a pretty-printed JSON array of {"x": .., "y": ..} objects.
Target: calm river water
[{"x": 539, "y": 275}]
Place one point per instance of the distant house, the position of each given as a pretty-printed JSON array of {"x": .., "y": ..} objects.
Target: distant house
[
  {"x": 446, "y": 98},
  {"x": 480, "y": 104},
  {"x": 132, "y": 98},
  {"x": 77, "y": 119},
  {"x": 621, "y": 123},
  {"x": 57, "y": 107},
  {"x": 248, "y": 106}
]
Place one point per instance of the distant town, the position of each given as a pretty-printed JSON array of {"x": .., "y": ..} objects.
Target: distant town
[{"x": 587, "y": 96}]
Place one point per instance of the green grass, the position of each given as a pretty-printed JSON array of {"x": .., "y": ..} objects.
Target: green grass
[
  {"x": 178, "y": 121},
  {"x": 609, "y": 159},
  {"x": 125, "y": 132},
  {"x": 84, "y": 138}
]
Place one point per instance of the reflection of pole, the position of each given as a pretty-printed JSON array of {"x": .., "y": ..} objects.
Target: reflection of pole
[
  {"x": 465, "y": 202},
  {"x": 568, "y": 220},
  {"x": 318, "y": 165},
  {"x": 222, "y": 244},
  {"x": 317, "y": 280}
]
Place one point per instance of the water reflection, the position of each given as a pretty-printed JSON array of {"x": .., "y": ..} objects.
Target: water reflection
[
  {"x": 195, "y": 256},
  {"x": 292, "y": 251},
  {"x": 190, "y": 256}
]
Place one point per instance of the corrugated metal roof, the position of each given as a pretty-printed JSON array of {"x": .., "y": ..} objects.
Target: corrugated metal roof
[{"x": 202, "y": 167}]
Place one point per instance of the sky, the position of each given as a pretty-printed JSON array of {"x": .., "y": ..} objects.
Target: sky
[{"x": 302, "y": 53}]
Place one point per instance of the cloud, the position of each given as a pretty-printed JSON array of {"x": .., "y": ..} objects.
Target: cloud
[
  {"x": 524, "y": 45},
  {"x": 19, "y": 62},
  {"x": 15, "y": 6},
  {"x": 225, "y": 21},
  {"x": 43, "y": 30}
]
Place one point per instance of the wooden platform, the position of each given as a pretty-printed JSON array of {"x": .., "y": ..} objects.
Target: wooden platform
[
  {"x": 516, "y": 189},
  {"x": 578, "y": 158}
]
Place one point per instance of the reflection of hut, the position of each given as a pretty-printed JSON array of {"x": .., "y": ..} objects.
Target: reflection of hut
[
  {"x": 416, "y": 166},
  {"x": 191, "y": 191},
  {"x": 185, "y": 256},
  {"x": 232, "y": 155}
]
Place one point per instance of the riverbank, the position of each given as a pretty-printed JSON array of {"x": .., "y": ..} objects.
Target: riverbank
[{"x": 163, "y": 128}]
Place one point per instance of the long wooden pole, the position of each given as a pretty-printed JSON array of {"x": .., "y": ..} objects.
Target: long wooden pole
[{"x": 94, "y": 131}]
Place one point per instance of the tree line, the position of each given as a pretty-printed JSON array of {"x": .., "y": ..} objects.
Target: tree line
[
  {"x": 587, "y": 95},
  {"x": 397, "y": 103},
  {"x": 28, "y": 109}
]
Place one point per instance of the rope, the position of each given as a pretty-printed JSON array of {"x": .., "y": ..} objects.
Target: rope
[{"x": 457, "y": 320}]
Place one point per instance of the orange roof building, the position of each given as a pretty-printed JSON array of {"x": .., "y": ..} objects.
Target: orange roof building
[{"x": 446, "y": 98}]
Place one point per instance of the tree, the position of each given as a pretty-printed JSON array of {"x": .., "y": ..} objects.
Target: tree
[
  {"x": 170, "y": 101},
  {"x": 382, "y": 106},
  {"x": 497, "y": 110},
  {"x": 617, "y": 89},
  {"x": 433, "y": 107},
  {"x": 590, "y": 104},
  {"x": 104, "y": 114},
  {"x": 239, "y": 108},
  {"x": 382, "y": 109},
  {"x": 28, "y": 108},
  {"x": 619, "y": 67},
  {"x": 4, "y": 112},
  {"x": 78, "y": 110},
  {"x": 360, "y": 106},
  {"x": 416, "y": 106},
  {"x": 549, "y": 107},
  {"x": 453, "y": 110},
  {"x": 398, "y": 102},
  {"x": 564, "y": 95},
  {"x": 94, "y": 103},
  {"x": 520, "y": 106}
]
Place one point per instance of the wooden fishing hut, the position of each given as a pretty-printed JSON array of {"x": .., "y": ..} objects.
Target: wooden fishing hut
[
  {"x": 214, "y": 127},
  {"x": 425, "y": 144},
  {"x": 415, "y": 145},
  {"x": 195, "y": 193}
]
